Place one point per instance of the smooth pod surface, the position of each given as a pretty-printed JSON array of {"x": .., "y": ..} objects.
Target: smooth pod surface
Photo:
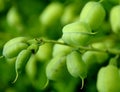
[
  {"x": 21, "y": 61},
  {"x": 56, "y": 69},
  {"x": 44, "y": 52},
  {"x": 77, "y": 33},
  {"x": 108, "y": 79},
  {"x": 51, "y": 13},
  {"x": 115, "y": 19},
  {"x": 31, "y": 67},
  {"x": 93, "y": 14},
  {"x": 61, "y": 49},
  {"x": 14, "y": 49},
  {"x": 75, "y": 65},
  {"x": 13, "y": 17},
  {"x": 15, "y": 40}
]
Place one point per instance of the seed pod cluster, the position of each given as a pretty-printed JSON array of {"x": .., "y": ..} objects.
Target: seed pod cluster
[
  {"x": 80, "y": 32},
  {"x": 20, "y": 49},
  {"x": 14, "y": 46}
]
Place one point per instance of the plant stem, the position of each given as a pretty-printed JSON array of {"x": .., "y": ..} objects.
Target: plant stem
[
  {"x": 42, "y": 41},
  {"x": 89, "y": 48}
]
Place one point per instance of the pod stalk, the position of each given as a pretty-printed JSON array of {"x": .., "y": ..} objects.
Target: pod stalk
[
  {"x": 82, "y": 83},
  {"x": 15, "y": 78}
]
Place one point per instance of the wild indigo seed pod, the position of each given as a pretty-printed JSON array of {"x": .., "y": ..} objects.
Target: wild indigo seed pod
[
  {"x": 44, "y": 52},
  {"x": 21, "y": 61},
  {"x": 13, "y": 17},
  {"x": 108, "y": 79},
  {"x": 70, "y": 14},
  {"x": 33, "y": 48},
  {"x": 93, "y": 14},
  {"x": 56, "y": 69},
  {"x": 76, "y": 66},
  {"x": 61, "y": 49},
  {"x": 15, "y": 40},
  {"x": 93, "y": 59},
  {"x": 14, "y": 49},
  {"x": 31, "y": 67},
  {"x": 77, "y": 33},
  {"x": 51, "y": 13},
  {"x": 115, "y": 19}
]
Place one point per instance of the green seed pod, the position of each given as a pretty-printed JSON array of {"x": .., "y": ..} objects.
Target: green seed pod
[
  {"x": 115, "y": 19},
  {"x": 31, "y": 67},
  {"x": 44, "y": 52},
  {"x": 13, "y": 17},
  {"x": 76, "y": 66},
  {"x": 61, "y": 49},
  {"x": 56, "y": 69},
  {"x": 69, "y": 14},
  {"x": 108, "y": 79},
  {"x": 77, "y": 34},
  {"x": 11, "y": 60},
  {"x": 95, "y": 56},
  {"x": 93, "y": 14},
  {"x": 99, "y": 57},
  {"x": 14, "y": 49},
  {"x": 51, "y": 13},
  {"x": 93, "y": 60},
  {"x": 40, "y": 81},
  {"x": 21, "y": 61},
  {"x": 15, "y": 40},
  {"x": 33, "y": 48},
  {"x": 110, "y": 42},
  {"x": 99, "y": 45}
]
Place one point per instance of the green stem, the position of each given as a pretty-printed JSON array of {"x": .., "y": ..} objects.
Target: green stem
[
  {"x": 89, "y": 48},
  {"x": 42, "y": 41},
  {"x": 15, "y": 78},
  {"x": 82, "y": 83}
]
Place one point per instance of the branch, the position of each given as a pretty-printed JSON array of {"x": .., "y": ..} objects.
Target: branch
[{"x": 42, "y": 41}]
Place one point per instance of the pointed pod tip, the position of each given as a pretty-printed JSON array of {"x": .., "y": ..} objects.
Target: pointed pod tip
[
  {"x": 46, "y": 84},
  {"x": 82, "y": 83},
  {"x": 15, "y": 78}
]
